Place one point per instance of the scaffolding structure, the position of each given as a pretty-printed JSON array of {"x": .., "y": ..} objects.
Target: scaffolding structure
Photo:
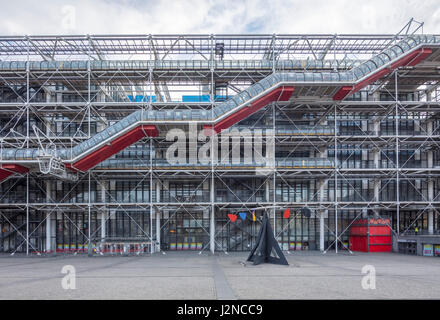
[{"x": 350, "y": 137}]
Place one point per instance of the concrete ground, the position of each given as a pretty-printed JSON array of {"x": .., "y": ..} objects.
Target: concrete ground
[{"x": 188, "y": 275}]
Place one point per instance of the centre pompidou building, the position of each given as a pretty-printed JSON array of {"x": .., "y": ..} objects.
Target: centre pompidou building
[{"x": 349, "y": 125}]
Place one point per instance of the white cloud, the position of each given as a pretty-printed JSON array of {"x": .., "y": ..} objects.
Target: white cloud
[{"x": 209, "y": 16}]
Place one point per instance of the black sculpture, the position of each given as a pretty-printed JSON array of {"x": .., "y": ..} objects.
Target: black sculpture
[
  {"x": 306, "y": 212},
  {"x": 267, "y": 248}
]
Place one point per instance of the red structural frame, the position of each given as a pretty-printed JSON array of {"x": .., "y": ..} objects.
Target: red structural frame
[
  {"x": 9, "y": 169},
  {"x": 410, "y": 59},
  {"x": 370, "y": 235},
  {"x": 282, "y": 93},
  {"x": 113, "y": 147}
]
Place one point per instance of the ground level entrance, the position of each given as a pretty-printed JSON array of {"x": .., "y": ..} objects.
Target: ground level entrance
[{"x": 186, "y": 229}]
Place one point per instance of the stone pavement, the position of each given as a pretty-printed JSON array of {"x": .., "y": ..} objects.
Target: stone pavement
[{"x": 188, "y": 275}]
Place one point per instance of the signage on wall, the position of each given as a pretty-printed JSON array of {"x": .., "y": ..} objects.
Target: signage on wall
[{"x": 428, "y": 250}]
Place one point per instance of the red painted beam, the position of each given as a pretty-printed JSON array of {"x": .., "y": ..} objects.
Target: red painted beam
[
  {"x": 342, "y": 93},
  {"x": 114, "y": 147},
  {"x": 15, "y": 167},
  {"x": 345, "y": 91},
  {"x": 151, "y": 131},
  {"x": 374, "y": 77},
  {"x": 410, "y": 59},
  {"x": 286, "y": 93},
  {"x": 8, "y": 169},
  {"x": 4, "y": 174},
  {"x": 406, "y": 59},
  {"x": 279, "y": 94},
  {"x": 422, "y": 56}
]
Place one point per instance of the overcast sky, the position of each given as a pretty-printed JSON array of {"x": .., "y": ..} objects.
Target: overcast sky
[{"x": 21, "y": 17}]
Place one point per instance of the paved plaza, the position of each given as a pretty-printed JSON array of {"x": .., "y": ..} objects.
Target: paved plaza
[{"x": 188, "y": 275}]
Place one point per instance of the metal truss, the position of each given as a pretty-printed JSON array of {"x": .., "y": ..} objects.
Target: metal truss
[{"x": 95, "y": 47}]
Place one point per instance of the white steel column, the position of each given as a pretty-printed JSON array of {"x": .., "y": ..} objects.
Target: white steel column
[
  {"x": 150, "y": 107},
  {"x": 376, "y": 159},
  {"x": 321, "y": 231},
  {"x": 27, "y": 146},
  {"x": 377, "y": 185},
  {"x": 431, "y": 212},
  {"x": 274, "y": 211},
  {"x": 336, "y": 182},
  {"x": 397, "y": 153},
  {"x": 267, "y": 189},
  {"x": 430, "y": 159},
  {"x": 157, "y": 231},
  {"x": 431, "y": 222},
  {"x": 376, "y": 126},
  {"x": 321, "y": 185},
  {"x": 274, "y": 165},
  {"x": 158, "y": 199},
  {"x": 322, "y": 215},
  {"x": 48, "y": 222},
  {"x": 212, "y": 218},
  {"x": 104, "y": 212},
  {"x": 103, "y": 224},
  {"x": 151, "y": 196},
  {"x": 377, "y": 182},
  {"x": 89, "y": 246}
]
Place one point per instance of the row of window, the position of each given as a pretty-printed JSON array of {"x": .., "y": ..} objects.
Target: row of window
[{"x": 229, "y": 190}]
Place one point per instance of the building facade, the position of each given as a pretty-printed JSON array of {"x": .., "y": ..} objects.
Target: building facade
[{"x": 137, "y": 144}]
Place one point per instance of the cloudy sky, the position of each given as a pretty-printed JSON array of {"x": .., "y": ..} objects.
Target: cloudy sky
[{"x": 20, "y": 17}]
